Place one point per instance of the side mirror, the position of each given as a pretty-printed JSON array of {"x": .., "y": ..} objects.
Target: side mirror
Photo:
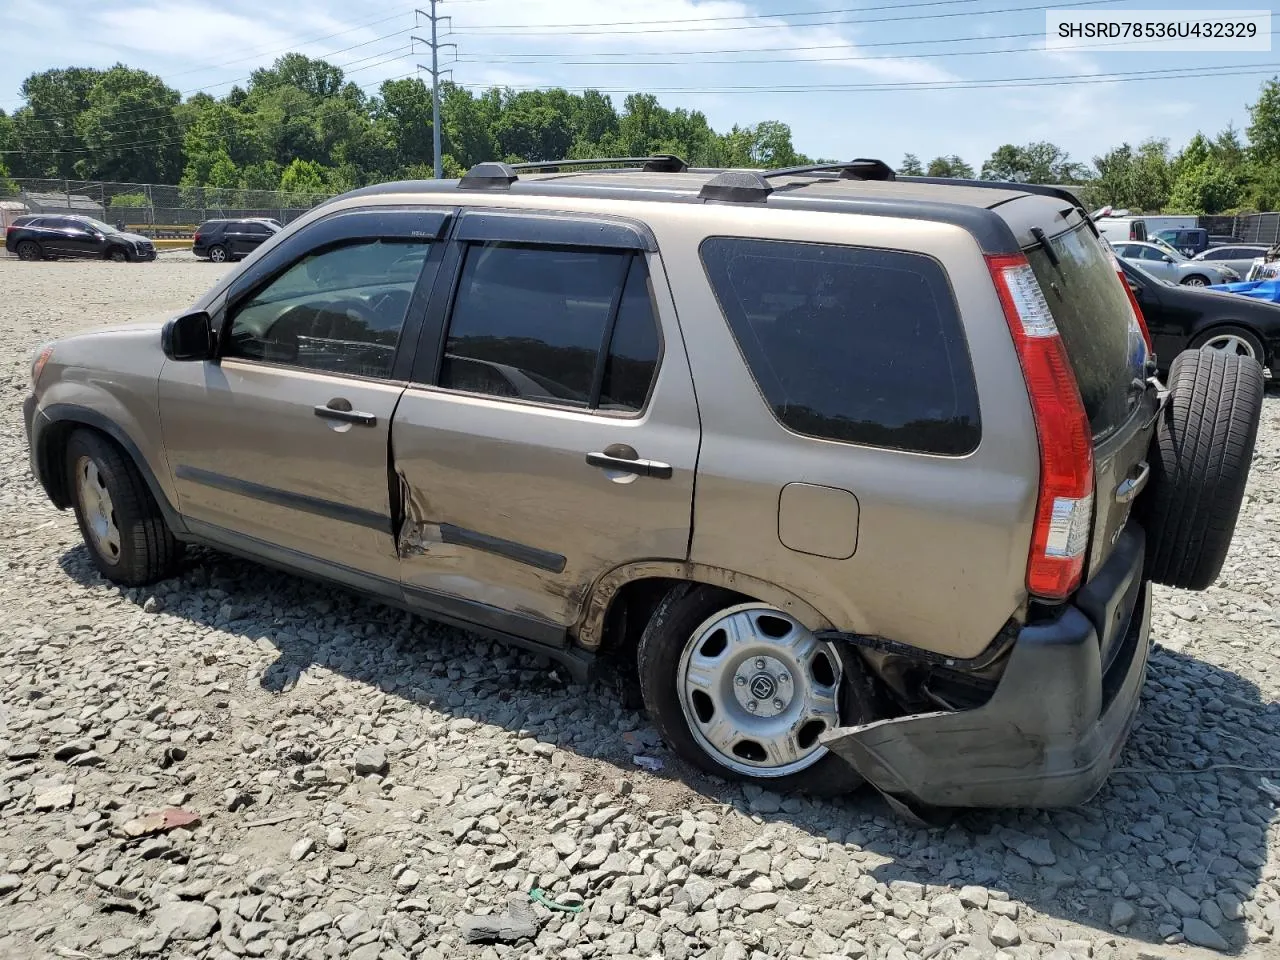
[
  {"x": 1167, "y": 259},
  {"x": 188, "y": 337}
]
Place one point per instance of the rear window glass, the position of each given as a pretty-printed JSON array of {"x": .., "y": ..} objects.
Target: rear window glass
[
  {"x": 851, "y": 344},
  {"x": 1097, "y": 325}
]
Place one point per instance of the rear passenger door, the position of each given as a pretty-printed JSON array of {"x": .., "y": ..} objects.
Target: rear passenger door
[
  {"x": 251, "y": 237},
  {"x": 551, "y": 432}
]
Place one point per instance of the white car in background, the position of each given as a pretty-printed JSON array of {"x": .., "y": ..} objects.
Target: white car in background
[
  {"x": 1170, "y": 265},
  {"x": 1239, "y": 257}
]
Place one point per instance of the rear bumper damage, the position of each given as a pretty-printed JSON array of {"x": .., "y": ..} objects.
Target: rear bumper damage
[{"x": 1052, "y": 730}]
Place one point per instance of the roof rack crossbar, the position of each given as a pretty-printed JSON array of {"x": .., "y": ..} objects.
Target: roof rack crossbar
[
  {"x": 657, "y": 163},
  {"x": 861, "y": 168}
]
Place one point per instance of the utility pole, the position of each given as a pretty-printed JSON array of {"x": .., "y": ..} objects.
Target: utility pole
[{"x": 434, "y": 70}]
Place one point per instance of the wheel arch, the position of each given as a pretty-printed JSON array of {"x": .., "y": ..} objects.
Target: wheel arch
[
  {"x": 51, "y": 430},
  {"x": 641, "y": 585}
]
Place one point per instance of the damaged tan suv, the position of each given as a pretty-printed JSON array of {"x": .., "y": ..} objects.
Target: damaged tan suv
[{"x": 866, "y": 477}]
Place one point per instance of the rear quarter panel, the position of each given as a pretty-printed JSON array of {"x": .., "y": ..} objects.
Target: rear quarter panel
[{"x": 940, "y": 561}]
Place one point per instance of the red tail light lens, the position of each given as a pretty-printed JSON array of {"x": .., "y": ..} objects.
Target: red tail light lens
[{"x": 1064, "y": 510}]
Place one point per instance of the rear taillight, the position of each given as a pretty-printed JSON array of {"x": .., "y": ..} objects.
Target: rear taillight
[
  {"x": 1064, "y": 510},
  {"x": 196, "y": 238}
]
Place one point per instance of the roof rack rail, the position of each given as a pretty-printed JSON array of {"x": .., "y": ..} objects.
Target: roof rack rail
[
  {"x": 657, "y": 163},
  {"x": 862, "y": 168},
  {"x": 1040, "y": 189},
  {"x": 737, "y": 186},
  {"x": 489, "y": 175}
]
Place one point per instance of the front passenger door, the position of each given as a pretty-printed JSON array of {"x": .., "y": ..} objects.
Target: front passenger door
[
  {"x": 279, "y": 447},
  {"x": 1157, "y": 262}
]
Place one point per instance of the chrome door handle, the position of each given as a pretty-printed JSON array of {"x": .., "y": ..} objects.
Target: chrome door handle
[
  {"x": 643, "y": 468},
  {"x": 339, "y": 409},
  {"x": 1130, "y": 487}
]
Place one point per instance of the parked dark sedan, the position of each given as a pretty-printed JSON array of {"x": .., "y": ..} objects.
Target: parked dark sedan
[
  {"x": 223, "y": 240},
  {"x": 1181, "y": 317},
  {"x": 49, "y": 236}
]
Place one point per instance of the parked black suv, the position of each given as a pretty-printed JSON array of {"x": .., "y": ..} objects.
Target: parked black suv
[
  {"x": 223, "y": 240},
  {"x": 48, "y": 236}
]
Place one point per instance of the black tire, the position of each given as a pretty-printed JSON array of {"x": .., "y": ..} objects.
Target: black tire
[
  {"x": 1200, "y": 459},
  {"x": 661, "y": 645},
  {"x": 118, "y": 255},
  {"x": 218, "y": 254},
  {"x": 1258, "y": 352},
  {"x": 30, "y": 251},
  {"x": 147, "y": 549}
]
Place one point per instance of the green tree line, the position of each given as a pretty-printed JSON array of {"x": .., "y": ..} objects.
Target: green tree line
[{"x": 301, "y": 126}]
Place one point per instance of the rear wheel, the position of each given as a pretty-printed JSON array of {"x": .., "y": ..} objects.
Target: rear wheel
[
  {"x": 218, "y": 254},
  {"x": 1233, "y": 341},
  {"x": 745, "y": 691},
  {"x": 1200, "y": 460},
  {"x": 30, "y": 251},
  {"x": 122, "y": 526}
]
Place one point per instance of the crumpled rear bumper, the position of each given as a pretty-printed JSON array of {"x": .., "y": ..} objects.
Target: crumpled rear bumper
[{"x": 1051, "y": 732}]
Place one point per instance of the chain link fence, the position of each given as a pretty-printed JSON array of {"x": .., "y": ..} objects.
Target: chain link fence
[{"x": 154, "y": 210}]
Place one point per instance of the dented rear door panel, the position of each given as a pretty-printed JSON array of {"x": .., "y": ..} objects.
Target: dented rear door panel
[{"x": 500, "y": 506}]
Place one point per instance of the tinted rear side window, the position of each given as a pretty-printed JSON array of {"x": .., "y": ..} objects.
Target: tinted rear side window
[
  {"x": 560, "y": 325},
  {"x": 1092, "y": 313},
  {"x": 850, "y": 344}
]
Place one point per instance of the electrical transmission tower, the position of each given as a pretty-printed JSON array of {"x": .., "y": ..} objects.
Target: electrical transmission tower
[{"x": 436, "y": 46}]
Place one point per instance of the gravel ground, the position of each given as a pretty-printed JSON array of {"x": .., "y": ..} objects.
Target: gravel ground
[{"x": 363, "y": 779}]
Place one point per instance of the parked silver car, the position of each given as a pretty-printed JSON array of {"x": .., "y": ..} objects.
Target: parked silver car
[
  {"x": 1239, "y": 257},
  {"x": 1167, "y": 266}
]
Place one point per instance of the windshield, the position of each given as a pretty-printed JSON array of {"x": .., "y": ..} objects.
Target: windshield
[
  {"x": 1171, "y": 251},
  {"x": 1096, "y": 322}
]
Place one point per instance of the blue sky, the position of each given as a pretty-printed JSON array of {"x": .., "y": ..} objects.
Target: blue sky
[{"x": 699, "y": 51}]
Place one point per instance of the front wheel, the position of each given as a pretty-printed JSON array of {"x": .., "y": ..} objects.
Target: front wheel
[
  {"x": 122, "y": 525},
  {"x": 30, "y": 251},
  {"x": 1195, "y": 280},
  {"x": 745, "y": 691},
  {"x": 117, "y": 255}
]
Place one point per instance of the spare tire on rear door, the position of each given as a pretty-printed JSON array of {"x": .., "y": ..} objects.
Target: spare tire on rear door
[{"x": 1200, "y": 458}]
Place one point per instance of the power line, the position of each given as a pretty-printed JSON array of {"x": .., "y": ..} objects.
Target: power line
[
  {"x": 656, "y": 26},
  {"x": 561, "y": 61},
  {"x": 1166, "y": 73}
]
